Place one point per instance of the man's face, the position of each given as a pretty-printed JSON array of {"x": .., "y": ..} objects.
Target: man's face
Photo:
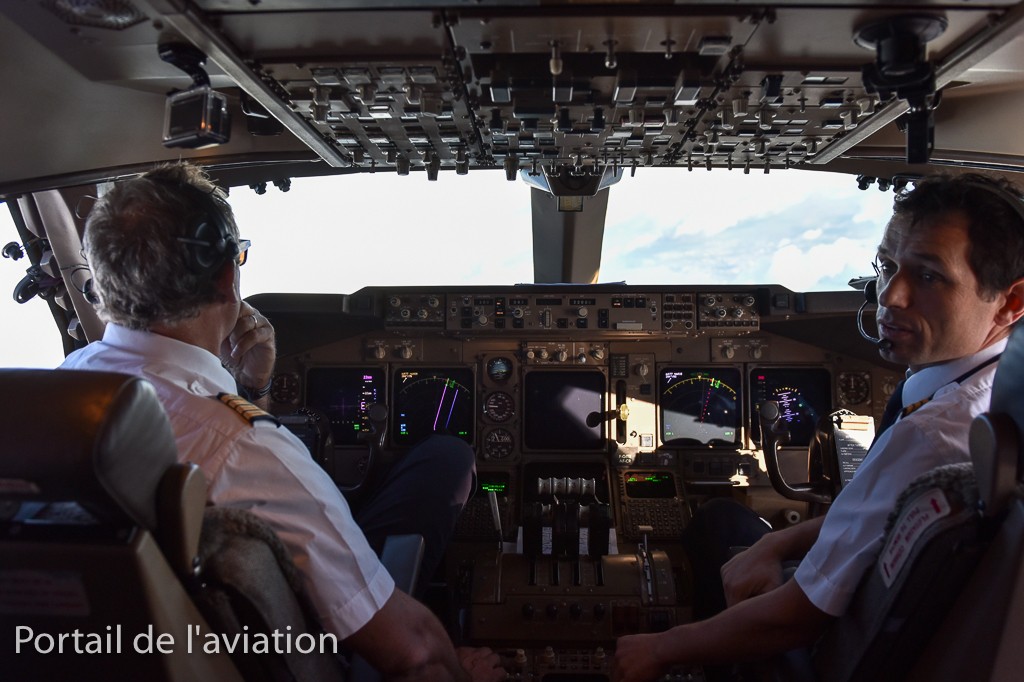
[{"x": 929, "y": 305}]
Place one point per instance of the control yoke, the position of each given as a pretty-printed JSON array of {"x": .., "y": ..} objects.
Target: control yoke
[
  {"x": 774, "y": 434},
  {"x": 373, "y": 436}
]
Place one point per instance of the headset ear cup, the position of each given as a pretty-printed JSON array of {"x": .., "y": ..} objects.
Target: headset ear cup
[
  {"x": 871, "y": 291},
  {"x": 207, "y": 248}
]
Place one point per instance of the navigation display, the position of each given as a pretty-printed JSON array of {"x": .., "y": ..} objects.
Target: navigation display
[
  {"x": 433, "y": 400},
  {"x": 700, "y": 406},
  {"x": 343, "y": 394},
  {"x": 804, "y": 395},
  {"x": 564, "y": 410}
]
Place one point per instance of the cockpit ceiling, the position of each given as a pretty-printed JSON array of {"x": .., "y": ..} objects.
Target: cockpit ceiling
[{"x": 563, "y": 88}]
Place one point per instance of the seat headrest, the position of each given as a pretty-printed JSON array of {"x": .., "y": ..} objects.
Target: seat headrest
[
  {"x": 997, "y": 435},
  {"x": 99, "y": 439}
]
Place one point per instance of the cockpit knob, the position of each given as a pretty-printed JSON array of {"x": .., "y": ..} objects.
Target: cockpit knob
[
  {"x": 756, "y": 352},
  {"x": 481, "y": 320},
  {"x": 543, "y": 354},
  {"x": 528, "y": 612},
  {"x": 405, "y": 352},
  {"x": 552, "y": 610},
  {"x": 575, "y": 610},
  {"x": 581, "y": 359},
  {"x": 642, "y": 370},
  {"x": 737, "y": 312},
  {"x": 433, "y": 301},
  {"x": 561, "y": 355},
  {"x": 517, "y": 313},
  {"x": 710, "y": 301},
  {"x": 422, "y": 313},
  {"x": 728, "y": 352},
  {"x": 380, "y": 352},
  {"x": 394, "y": 301},
  {"x": 597, "y": 353},
  {"x": 582, "y": 311}
]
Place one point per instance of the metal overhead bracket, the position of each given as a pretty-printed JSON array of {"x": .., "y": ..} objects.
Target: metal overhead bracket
[
  {"x": 183, "y": 18},
  {"x": 979, "y": 47}
]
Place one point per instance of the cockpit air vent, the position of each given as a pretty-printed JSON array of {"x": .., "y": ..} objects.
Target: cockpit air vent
[{"x": 115, "y": 15}]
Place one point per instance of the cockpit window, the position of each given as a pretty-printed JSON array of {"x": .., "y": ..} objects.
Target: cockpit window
[{"x": 806, "y": 231}]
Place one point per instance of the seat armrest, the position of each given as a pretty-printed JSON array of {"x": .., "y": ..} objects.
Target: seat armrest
[
  {"x": 402, "y": 556},
  {"x": 181, "y": 500}
]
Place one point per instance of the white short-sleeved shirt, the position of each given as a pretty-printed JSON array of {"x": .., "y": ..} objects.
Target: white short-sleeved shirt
[
  {"x": 933, "y": 435},
  {"x": 258, "y": 467}
]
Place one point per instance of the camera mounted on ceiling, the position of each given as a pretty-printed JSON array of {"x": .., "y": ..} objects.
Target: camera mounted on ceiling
[
  {"x": 198, "y": 116},
  {"x": 900, "y": 68}
]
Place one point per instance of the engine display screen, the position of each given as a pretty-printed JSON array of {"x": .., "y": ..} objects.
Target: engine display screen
[
  {"x": 430, "y": 401},
  {"x": 804, "y": 394},
  {"x": 649, "y": 484},
  {"x": 700, "y": 406},
  {"x": 564, "y": 410},
  {"x": 343, "y": 394}
]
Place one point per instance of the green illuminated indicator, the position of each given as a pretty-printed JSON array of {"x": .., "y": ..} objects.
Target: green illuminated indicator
[{"x": 493, "y": 487}]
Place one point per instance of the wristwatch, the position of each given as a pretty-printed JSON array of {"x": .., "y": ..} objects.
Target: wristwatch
[{"x": 253, "y": 394}]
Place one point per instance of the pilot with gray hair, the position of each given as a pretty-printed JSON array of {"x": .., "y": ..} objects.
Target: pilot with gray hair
[
  {"x": 166, "y": 256},
  {"x": 950, "y": 286}
]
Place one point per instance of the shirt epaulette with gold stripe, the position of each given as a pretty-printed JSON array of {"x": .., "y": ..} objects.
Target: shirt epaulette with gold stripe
[{"x": 246, "y": 410}]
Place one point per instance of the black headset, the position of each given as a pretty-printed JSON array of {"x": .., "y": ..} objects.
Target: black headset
[{"x": 210, "y": 242}]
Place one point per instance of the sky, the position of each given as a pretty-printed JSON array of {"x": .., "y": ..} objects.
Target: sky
[{"x": 806, "y": 231}]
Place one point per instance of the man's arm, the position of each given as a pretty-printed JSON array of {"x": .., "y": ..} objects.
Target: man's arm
[
  {"x": 759, "y": 569},
  {"x": 759, "y": 627},
  {"x": 404, "y": 641}
]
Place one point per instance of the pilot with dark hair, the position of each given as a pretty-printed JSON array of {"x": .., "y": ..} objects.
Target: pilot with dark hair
[
  {"x": 165, "y": 254},
  {"x": 950, "y": 286}
]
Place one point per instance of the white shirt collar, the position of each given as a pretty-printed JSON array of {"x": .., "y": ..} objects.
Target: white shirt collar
[
  {"x": 925, "y": 382},
  {"x": 193, "y": 368}
]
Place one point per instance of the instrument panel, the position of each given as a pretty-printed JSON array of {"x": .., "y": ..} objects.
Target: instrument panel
[
  {"x": 600, "y": 417},
  {"x": 641, "y": 376}
]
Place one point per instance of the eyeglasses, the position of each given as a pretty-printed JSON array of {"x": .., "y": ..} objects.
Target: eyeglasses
[{"x": 243, "y": 251}]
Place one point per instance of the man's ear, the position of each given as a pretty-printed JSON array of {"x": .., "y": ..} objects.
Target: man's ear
[{"x": 1013, "y": 305}]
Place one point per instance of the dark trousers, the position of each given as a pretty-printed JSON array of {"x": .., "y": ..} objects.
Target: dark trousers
[
  {"x": 423, "y": 493},
  {"x": 718, "y": 526}
]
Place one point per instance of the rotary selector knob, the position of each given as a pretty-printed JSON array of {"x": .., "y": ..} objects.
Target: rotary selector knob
[
  {"x": 481, "y": 320},
  {"x": 405, "y": 352},
  {"x": 710, "y": 301},
  {"x": 433, "y": 301},
  {"x": 582, "y": 311},
  {"x": 728, "y": 352},
  {"x": 380, "y": 352},
  {"x": 597, "y": 353},
  {"x": 543, "y": 354},
  {"x": 423, "y": 313},
  {"x": 737, "y": 312},
  {"x": 642, "y": 370},
  {"x": 518, "y": 313},
  {"x": 394, "y": 301},
  {"x": 561, "y": 355}
]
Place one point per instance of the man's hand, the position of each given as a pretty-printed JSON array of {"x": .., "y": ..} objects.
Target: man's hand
[
  {"x": 249, "y": 351},
  {"x": 636, "y": 660},
  {"x": 753, "y": 571},
  {"x": 483, "y": 665}
]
